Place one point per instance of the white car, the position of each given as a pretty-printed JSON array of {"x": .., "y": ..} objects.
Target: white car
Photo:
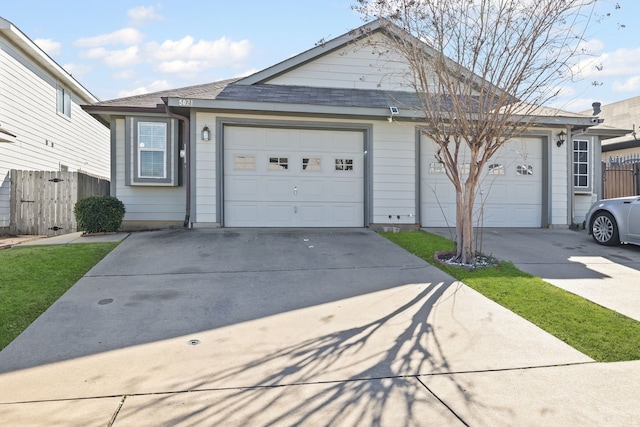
[{"x": 615, "y": 221}]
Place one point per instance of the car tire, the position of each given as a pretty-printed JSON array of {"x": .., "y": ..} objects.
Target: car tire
[{"x": 604, "y": 229}]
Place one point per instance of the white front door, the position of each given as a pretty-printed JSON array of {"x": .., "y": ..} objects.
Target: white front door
[
  {"x": 509, "y": 193},
  {"x": 293, "y": 177}
]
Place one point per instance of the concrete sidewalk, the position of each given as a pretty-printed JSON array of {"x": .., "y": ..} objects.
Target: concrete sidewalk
[{"x": 294, "y": 327}]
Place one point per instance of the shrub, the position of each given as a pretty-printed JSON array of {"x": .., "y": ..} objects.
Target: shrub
[{"x": 97, "y": 214}]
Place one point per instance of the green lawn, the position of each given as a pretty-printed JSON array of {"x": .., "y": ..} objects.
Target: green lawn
[
  {"x": 34, "y": 277},
  {"x": 600, "y": 333}
]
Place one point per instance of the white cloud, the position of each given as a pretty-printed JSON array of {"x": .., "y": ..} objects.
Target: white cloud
[
  {"x": 77, "y": 70},
  {"x": 125, "y": 36},
  {"x": 179, "y": 66},
  {"x": 155, "y": 86},
  {"x": 114, "y": 58},
  {"x": 214, "y": 53},
  {"x": 620, "y": 62},
  {"x": 632, "y": 84},
  {"x": 141, "y": 15},
  {"x": 49, "y": 46},
  {"x": 125, "y": 75}
]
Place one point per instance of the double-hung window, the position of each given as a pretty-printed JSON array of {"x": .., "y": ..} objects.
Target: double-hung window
[
  {"x": 581, "y": 181},
  {"x": 63, "y": 101},
  {"x": 151, "y": 151}
]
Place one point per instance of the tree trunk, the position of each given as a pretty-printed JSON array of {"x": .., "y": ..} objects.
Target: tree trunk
[{"x": 464, "y": 224}]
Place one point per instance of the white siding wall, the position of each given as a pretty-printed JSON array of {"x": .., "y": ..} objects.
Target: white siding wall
[
  {"x": 394, "y": 173},
  {"x": 357, "y": 67},
  {"x": 45, "y": 140},
  {"x": 205, "y": 166},
  {"x": 142, "y": 203},
  {"x": 394, "y": 186},
  {"x": 559, "y": 182}
]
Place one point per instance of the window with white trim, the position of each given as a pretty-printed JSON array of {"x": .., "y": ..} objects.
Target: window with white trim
[
  {"x": 63, "y": 101},
  {"x": 581, "y": 164},
  {"x": 152, "y": 150}
]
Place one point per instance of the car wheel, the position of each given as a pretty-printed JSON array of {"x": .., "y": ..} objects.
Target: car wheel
[{"x": 604, "y": 229}]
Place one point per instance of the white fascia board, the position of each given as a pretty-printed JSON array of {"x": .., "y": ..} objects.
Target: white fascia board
[
  {"x": 278, "y": 107},
  {"x": 41, "y": 58}
]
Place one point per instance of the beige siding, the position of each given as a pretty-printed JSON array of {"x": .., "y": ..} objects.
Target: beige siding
[
  {"x": 356, "y": 66},
  {"x": 394, "y": 173},
  {"x": 145, "y": 203},
  {"x": 205, "y": 164},
  {"x": 45, "y": 139},
  {"x": 559, "y": 181}
]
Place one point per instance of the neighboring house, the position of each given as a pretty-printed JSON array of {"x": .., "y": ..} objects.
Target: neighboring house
[
  {"x": 328, "y": 138},
  {"x": 623, "y": 115},
  {"x": 42, "y": 126}
]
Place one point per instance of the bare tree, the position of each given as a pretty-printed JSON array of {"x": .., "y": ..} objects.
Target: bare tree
[{"x": 481, "y": 69}]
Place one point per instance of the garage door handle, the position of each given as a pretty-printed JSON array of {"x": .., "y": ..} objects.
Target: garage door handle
[{"x": 295, "y": 190}]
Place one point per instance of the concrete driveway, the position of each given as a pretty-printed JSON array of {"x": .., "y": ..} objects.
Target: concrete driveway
[{"x": 294, "y": 327}]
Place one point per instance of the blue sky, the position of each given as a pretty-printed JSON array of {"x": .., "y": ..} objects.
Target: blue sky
[{"x": 123, "y": 47}]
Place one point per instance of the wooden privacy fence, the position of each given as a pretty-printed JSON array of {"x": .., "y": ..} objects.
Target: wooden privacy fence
[
  {"x": 42, "y": 201},
  {"x": 621, "y": 178}
]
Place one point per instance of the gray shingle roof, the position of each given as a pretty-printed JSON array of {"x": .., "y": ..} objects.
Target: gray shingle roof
[
  {"x": 226, "y": 90},
  {"x": 339, "y": 97},
  {"x": 150, "y": 100}
]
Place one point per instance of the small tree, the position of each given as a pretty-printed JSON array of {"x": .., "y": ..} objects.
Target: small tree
[
  {"x": 481, "y": 70},
  {"x": 99, "y": 214}
]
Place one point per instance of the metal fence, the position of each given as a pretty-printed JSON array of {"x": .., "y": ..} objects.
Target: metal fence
[{"x": 42, "y": 202}]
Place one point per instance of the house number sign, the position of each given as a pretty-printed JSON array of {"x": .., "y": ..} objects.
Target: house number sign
[{"x": 185, "y": 102}]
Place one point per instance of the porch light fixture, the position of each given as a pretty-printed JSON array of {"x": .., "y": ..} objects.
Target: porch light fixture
[
  {"x": 561, "y": 138},
  {"x": 206, "y": 134}
]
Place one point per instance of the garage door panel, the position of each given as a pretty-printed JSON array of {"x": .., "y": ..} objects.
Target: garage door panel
[
  {"x": 277, "y": 214},
  {"x": 243, "y": 214},
  {"x": 299, "y": 178},
  {"x": 279, "y": 188},
  {"x": 244, "y": 187}
]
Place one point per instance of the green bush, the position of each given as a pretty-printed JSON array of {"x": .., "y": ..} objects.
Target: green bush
[{"x": 98, "y": 214}]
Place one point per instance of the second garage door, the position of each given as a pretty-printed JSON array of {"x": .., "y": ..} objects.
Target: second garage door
[
  {"x": 509, "y": 193},
  {"x": 293, "y": 177}
]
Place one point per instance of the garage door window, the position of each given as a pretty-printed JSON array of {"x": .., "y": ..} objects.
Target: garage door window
[
  {"x": 278, "y": 163},
  {"x": 344, "y": 164},
  {"x": 312, "y": 164},
  {"x": 496, "y": 169},
  {"x": 436, "y": 167},
  {"x": 526, "y": 170},
  {"x": 244, "y": 163}
]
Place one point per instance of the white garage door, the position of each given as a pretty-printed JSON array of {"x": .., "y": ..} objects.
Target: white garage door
[
  {"x": 510, "y": 191},
  {"x": 293, "y": 177}
]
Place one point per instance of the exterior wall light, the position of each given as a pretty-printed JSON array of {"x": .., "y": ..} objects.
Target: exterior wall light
[
  {"x": 206, "y": 134},
  {"x": 561, "y": 138}
]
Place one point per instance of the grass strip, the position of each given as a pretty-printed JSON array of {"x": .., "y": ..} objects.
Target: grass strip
[
  {"x": 34, "y": 277},
  {"x": 600, "y": 333}
]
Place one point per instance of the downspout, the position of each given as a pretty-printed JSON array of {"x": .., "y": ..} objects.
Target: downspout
[{"x": 187, "y": 160}]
